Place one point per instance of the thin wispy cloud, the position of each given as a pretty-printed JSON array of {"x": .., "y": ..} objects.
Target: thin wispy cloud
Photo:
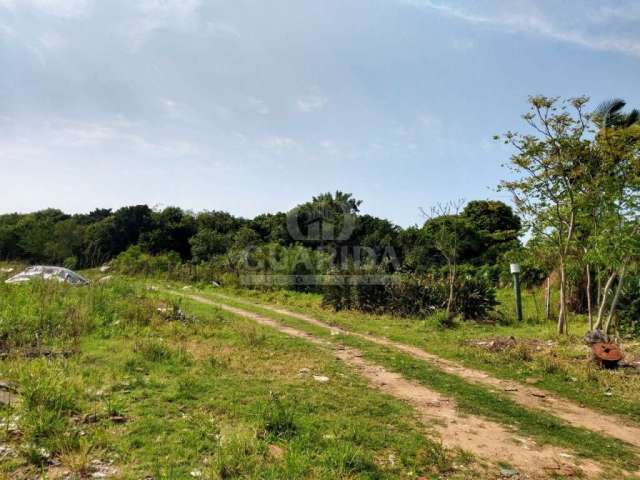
[
  {"x": 535, "y": 19},
  {"x": 311, "y": 103}
]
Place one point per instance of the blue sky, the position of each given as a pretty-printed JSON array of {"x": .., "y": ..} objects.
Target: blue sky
[{"x": 253, "y": 106}]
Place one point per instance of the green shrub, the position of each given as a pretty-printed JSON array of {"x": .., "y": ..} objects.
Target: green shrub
[{"x": 413, "y": 295}]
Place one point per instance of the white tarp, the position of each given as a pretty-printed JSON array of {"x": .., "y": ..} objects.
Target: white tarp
[{"x": 58, "y": 274}]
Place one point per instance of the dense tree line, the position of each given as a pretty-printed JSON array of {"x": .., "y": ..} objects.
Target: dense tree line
[{"x": 487, "y": 229}]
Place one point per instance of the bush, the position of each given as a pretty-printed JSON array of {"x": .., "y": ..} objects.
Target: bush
[
  {"x": 413, "y": 296},
  {"x": 629, "y": 307},
  {"x": 474, "y": 298}
]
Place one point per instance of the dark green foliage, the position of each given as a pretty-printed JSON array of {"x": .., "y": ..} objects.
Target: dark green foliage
[
  {"x": 629, "y": 307},
  {"x": 222, "y": 243},
  {"x": 474, "y": 298},
  {"x": 412, "y": 295}
]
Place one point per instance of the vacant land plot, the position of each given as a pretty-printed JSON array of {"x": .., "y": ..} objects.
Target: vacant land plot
[{"x": 123, "y": 382}]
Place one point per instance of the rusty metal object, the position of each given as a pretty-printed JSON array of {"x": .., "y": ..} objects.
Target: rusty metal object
[{"x": 607, "y": 354}]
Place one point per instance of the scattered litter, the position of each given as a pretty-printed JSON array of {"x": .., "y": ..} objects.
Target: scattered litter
[
  {"x": 214, "y": 283},
  {"x": 105, "y": 268},
  {"x": 105, "y": 279},
  {"x": 608, "y": 394},
  {"x": 565, "y": 455},
  {"x": 196, "y": 473},
  {"x": 59, "y": 274},
  {"x": 321, "y": 378}
]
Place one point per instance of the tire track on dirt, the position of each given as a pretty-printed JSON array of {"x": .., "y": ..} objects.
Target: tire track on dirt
[
  {"x": 487, "y": 440},
  {"x": 572, "y": 413}
]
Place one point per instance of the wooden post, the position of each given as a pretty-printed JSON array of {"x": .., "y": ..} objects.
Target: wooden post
[{"x": 547, "y": 300}]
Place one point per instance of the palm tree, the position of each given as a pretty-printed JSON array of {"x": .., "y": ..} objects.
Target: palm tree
[{"x": 609, "y": 114}]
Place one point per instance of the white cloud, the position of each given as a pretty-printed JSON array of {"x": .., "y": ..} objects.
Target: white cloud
[
  {"x": 311, "y": 103},
  {"x": 61, "y": 134},
  {"x": 524, "y": 17},
  {"x": 57, "y": 8}
]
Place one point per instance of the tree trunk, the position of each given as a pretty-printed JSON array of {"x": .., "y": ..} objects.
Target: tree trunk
[
  {"x": 452, "y": 276},
  {"x": 603, "y": 300},
  {"x": 589, "y": 297},
  {"x": 616, "y": 297},
  {"x": 562, "y": 314}
]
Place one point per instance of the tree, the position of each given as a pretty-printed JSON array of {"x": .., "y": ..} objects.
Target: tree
[
  {"x": 496, "y": 227},
  {"x": 548, "y": 163},
  {"x": 446, "y": 228},
  {"x": 616, "y": 242}
]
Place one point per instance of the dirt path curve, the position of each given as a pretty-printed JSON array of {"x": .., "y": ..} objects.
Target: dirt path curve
[
  {"x": 608, "y": 425},
  {"x": 489, "y": 441}
]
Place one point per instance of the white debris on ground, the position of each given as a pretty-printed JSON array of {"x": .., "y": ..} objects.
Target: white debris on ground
[
  {"x": 59, "y": 274},
  {"x": 105, "y": 268},
  {"x": 321, "y": 378},
  {"x": 6, "y": 270}
]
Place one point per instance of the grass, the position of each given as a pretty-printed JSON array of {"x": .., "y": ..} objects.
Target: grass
[
  {"x": 560, "y": 364},
  {"x": 213, "y": 397},
  {"x": 478, "y": 400}
]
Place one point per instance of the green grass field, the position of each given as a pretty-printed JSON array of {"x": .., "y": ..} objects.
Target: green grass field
[
  {"x": 138, "y": 395},
  {"x": 126, "y": 380},
  {"x": 560, "y": 364}
]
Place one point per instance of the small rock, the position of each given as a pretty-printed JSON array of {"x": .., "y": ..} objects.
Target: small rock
[
  {"x": 195, "y": 473},
  {"x": 538, "y": 394},
  {"x": 508, "y": 472},
  {"x": 321, "y": 378}
]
